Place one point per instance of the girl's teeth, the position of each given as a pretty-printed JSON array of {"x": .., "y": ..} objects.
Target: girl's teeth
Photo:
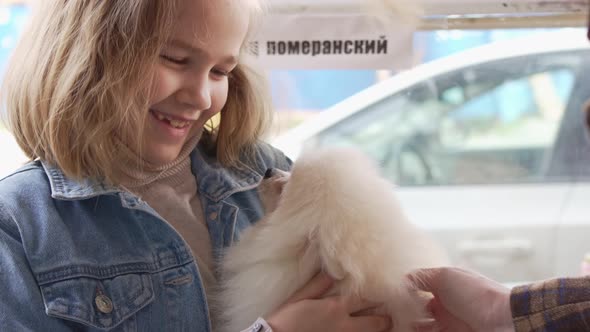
[
  {"x": 173, "y": 123},
  {"x": 178, "y": 124}
]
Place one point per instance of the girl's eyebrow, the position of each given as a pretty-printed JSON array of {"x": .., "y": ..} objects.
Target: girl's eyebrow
[{"x": 230, "y": 59}]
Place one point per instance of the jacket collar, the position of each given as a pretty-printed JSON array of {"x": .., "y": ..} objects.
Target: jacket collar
[
  {"x": 65, "y": 188},
  {"x": 214, "y": 181},
  {"x": 217, "y": 182}
]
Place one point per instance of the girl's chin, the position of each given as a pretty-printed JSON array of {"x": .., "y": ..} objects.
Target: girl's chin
[
  {"x": 162, "y": 156},
  {"x": 159, "y": 153}
]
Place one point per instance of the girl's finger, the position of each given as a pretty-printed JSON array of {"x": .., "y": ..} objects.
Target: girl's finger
[
  {"x": 371, "y": 323},
  {"x": 314, "y": 289},
  {"x": 356, "y": 305}
]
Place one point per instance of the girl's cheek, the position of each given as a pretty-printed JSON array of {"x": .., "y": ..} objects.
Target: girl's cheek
[{"x": 162, "y": 86}]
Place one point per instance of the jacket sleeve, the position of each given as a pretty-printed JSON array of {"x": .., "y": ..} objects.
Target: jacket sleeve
[
  {"x": 552, "y": 305},
  {"x": 260, "y": 325},
  {"x": 21, "y": 303}
]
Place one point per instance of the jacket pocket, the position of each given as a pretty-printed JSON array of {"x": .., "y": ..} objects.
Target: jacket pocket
[{"x": 99, "y": 303}]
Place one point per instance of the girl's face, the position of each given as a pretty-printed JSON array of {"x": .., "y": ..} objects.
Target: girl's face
[{"x": 191, "y": 80}]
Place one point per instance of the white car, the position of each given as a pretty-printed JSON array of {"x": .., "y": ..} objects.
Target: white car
[{"x": 488, "y": 149}]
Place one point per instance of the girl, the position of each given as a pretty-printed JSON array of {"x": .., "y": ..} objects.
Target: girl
[{"x": 132, "y": 191}]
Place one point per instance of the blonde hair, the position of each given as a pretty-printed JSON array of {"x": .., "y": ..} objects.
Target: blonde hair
[
  {"x": 248, "y": 113},
  {"x": 82, "y": 71}
]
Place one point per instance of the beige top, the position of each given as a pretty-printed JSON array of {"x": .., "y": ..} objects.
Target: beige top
[{"x": 171, "y": 190}]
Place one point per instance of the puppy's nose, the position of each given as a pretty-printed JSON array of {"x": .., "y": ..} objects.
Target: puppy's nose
[{"x": 269, "y": 173}]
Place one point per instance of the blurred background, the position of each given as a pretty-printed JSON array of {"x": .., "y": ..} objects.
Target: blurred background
[
  {"x": 298, "y": 95},
  {"x": 475, "y": 115}
]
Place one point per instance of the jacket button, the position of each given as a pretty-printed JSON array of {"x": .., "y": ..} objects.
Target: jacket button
[
  {"x": 104, "y": 304},
  {"x": 213, "y": 215}
]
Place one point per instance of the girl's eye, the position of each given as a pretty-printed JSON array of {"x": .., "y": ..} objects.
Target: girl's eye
[
  {"x": 178, "y": 61},
  {"x": 220, "y": 72}
]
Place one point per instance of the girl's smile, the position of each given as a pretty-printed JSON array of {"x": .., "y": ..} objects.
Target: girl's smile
[{"x": 169, "y": 127}]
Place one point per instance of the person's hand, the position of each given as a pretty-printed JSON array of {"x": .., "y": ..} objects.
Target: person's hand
[
  {"x": 463, "y": 301},
  {"x": 307, "y": 311}
]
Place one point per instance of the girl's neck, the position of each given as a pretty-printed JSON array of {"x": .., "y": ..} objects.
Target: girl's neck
[{"x": 138, "y": 173}]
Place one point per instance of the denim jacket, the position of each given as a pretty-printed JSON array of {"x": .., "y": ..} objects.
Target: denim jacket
[{"x": 87, "y": 257}]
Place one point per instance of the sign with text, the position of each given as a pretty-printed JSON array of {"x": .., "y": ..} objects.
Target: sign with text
[{"x": 325, "y": 41}]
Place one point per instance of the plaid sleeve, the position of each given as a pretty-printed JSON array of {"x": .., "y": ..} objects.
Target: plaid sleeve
[{"x": 554, "y": 305}]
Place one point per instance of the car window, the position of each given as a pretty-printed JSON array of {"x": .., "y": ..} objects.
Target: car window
[{"x": 491, "y": 123}]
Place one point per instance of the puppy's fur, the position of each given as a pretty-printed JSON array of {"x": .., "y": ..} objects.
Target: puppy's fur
[{"x": 333, "y": 213}]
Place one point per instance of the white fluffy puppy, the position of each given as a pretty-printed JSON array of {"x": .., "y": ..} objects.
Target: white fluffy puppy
[{"x": 335, "y": 213}]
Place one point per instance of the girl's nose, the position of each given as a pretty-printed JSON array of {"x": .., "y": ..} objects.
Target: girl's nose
[{"x": 196, "y": 93}]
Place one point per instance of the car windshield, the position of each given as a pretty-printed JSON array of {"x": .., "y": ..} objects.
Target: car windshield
[{"x": 494, "y": 122}]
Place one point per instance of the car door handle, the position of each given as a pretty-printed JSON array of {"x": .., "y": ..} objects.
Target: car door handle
[{"x": 506, "y": 247}]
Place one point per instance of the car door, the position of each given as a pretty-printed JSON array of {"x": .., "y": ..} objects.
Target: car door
[{"x": 471, "y": 152}]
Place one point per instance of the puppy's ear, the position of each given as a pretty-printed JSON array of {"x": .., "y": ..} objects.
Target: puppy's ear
[
  {"x": 276, "y": 173},
  {"x": 334, "y": 268},
  {"x": 309, "y": 259},
  {"x": 271, "y": 188}
]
